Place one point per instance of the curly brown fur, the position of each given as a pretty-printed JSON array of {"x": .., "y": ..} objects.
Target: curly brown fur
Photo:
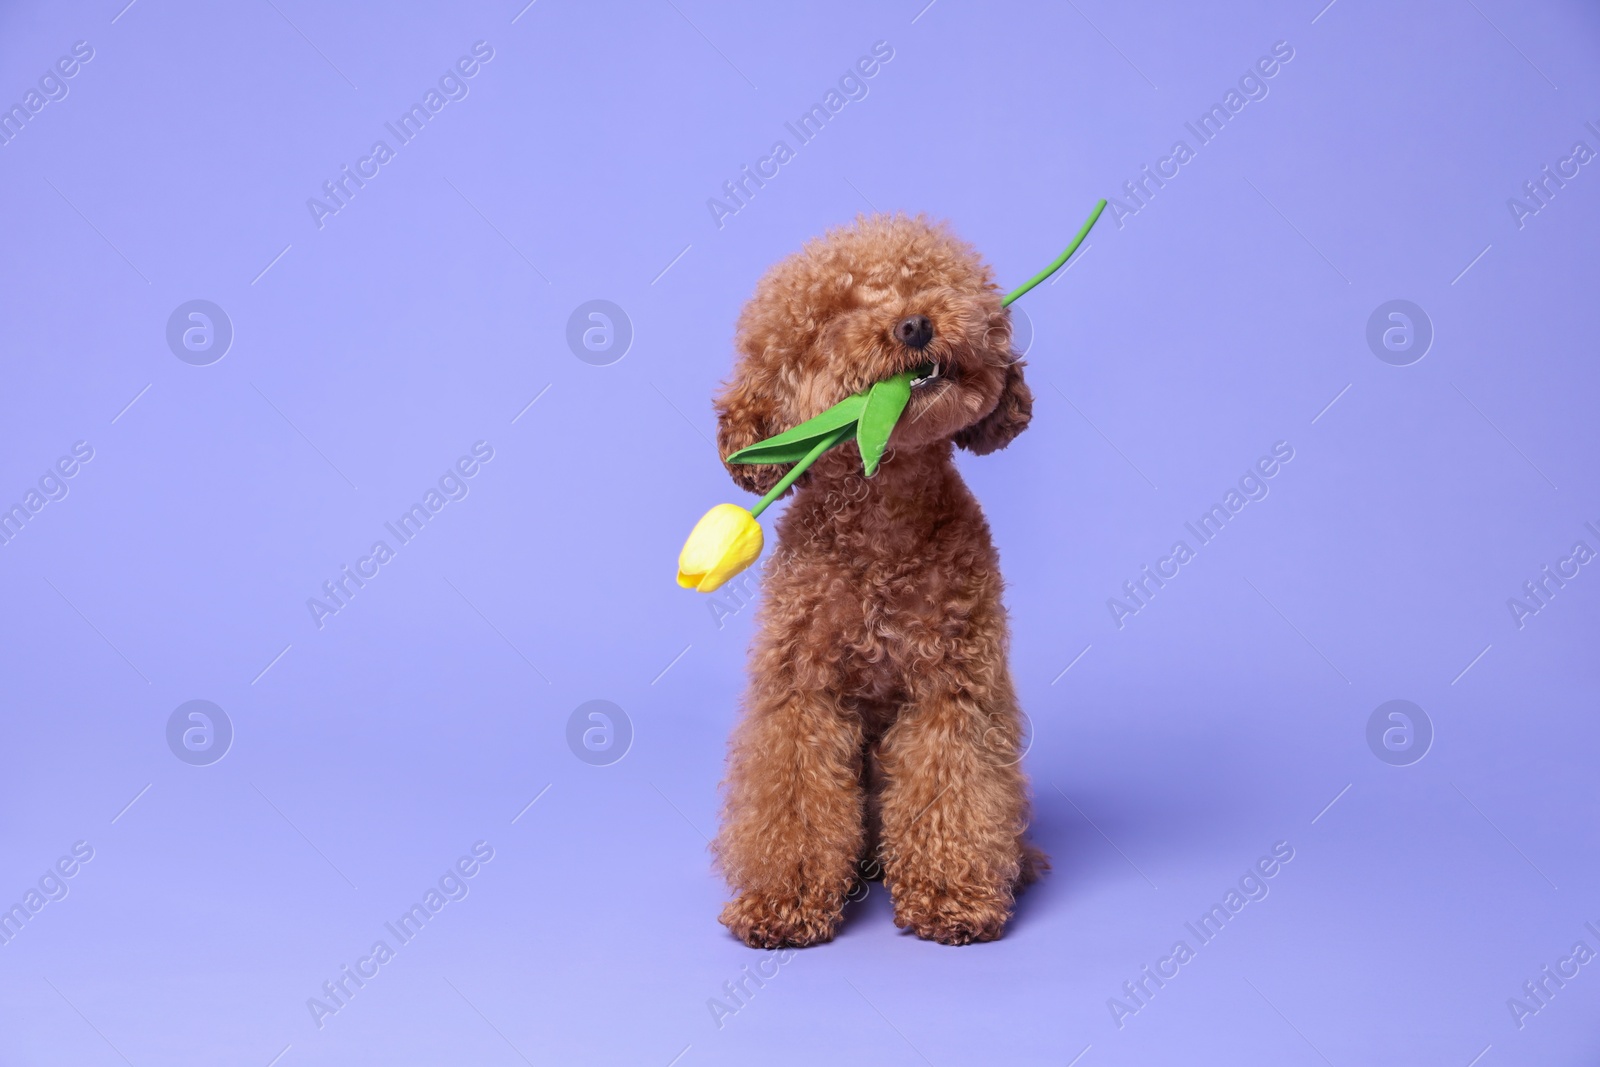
[{"x": 880, "y": 721}]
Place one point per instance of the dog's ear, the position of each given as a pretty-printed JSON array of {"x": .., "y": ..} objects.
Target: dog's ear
[
  {"x": 1010, "y": 416},
  {"x": 747, "y": 413}
]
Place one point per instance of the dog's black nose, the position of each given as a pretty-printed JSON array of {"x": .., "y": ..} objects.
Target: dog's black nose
[{"x": 914, "y": 332}]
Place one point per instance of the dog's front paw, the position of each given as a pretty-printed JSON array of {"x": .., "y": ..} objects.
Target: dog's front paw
[
  {"x": 779, "y": 920},
  {"x": 952, "y": 917}
]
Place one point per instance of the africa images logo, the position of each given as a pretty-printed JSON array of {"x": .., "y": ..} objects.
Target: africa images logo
[
  {"x": 453, "y": 484},
  {"x": 452, "y": 886},
  {"x": 452, "y": 86},
  {"x": 852, "y": 85},
  {"x": 1140, "y": 591}
]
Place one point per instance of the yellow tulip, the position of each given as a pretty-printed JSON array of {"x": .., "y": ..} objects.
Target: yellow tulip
[{"x": 725, "y": 541}]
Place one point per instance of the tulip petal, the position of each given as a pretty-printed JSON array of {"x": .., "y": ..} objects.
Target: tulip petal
[
  {"x": 709, "y": 538},
  {"x": 725, "y": 541}
]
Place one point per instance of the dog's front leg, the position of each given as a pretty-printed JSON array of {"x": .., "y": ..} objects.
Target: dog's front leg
[
  {"x": 954, "y": 806},
  {"x": 793, "y": 817}
]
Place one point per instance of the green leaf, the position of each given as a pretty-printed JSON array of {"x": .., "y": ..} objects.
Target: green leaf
[
  {"x": 885, "y": 403},
  {"x": 791, "y": 446}
]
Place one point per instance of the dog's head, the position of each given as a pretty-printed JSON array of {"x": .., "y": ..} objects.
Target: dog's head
[{"x": 862, "y": 304}]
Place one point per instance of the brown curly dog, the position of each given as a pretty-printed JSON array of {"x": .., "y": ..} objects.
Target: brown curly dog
[{"x": 880, "y": 731}]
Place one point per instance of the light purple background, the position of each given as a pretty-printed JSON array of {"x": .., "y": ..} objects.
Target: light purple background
[{"x": 1223, "y": 317}]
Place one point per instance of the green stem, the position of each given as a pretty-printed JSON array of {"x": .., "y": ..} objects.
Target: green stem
[
  {"x": 1055, "y": 265},
  {"x": 831, "y": 439},
  {"x": 822, "y": 445}
]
